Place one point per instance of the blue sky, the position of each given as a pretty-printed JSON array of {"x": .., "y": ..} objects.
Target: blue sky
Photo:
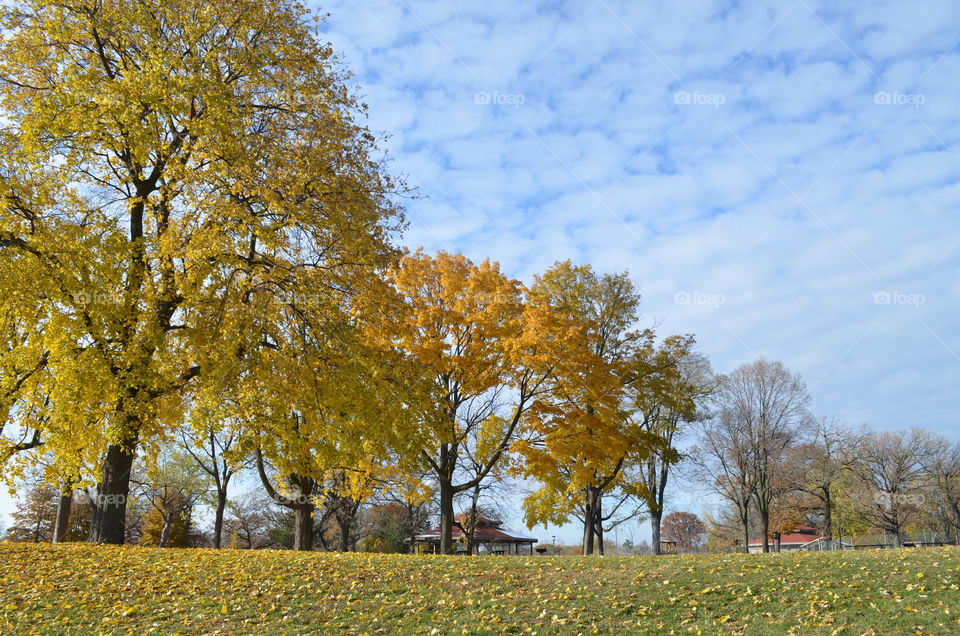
[{"x": 780, "y": 178}]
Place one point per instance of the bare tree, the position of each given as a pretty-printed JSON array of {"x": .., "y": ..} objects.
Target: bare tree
[
  {"x": 211, "y": 449},
  {"x": 175, "y": 485},
  {"x": 942, "y": 466},
  {"x": 248, "y": 520},
  {"x": 488, "y": 492},
  {"x": 761, "y": 409},
  {"x": 891, "y": 468},
  {"x": 724, "y": 528},
  {"x": 723, "y": 461},
  {"x": 828, "y": 451},
  {"x": 33, "y": 517},
  {"x": 769, "y": 404}
]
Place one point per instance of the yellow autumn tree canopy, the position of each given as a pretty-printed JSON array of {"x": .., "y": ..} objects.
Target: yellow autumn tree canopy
[{"x": 170, "y": 168}]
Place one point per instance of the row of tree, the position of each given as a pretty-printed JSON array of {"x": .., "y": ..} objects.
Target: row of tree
[
  {"x": 779, "y": 466},
  {"x": 251, "y": 521},
  {"x": 197, "y": 246},
  {"x": 844, "y": 481},
  {"x": 196, "y": 239}
]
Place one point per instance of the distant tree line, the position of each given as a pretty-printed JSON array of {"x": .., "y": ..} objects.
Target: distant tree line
[{"x": 778, "y": 466}]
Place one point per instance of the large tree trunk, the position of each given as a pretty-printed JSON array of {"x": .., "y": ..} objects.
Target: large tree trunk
[
  {"x": 592, "y": 533},
  {"x": 827, "y": 515},
  {"x": 218, "y": 518},
  {"x": 446, "y": 517},
  {"x": 303, "y": 528},
  {"x": 587, "y": 522},
  {"x": 765, "y": 527},
  {"x": 165, "y": 533},
  {"x": 896, "y": 528},
  {"x": 745, "y": 520},
  {"x": 110, "y": 520},
  {"x": 598, "y": 520},
  {"x": 64, "y": 505},
  {"x": 346, "y": 534},
  {"x": 655, "y": 519},
  {"x": 346, "y": 516},
  {"x": 587, "y": 537}
]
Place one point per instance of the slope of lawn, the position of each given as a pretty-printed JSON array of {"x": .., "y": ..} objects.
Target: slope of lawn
[{"x": 96, "y": 589}]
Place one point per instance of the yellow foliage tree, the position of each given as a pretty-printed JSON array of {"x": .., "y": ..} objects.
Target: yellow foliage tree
[
  {"x": 466, "y": 329},
  {"x": 164, "y": 162},
  {"x": 586, "y": 441}
]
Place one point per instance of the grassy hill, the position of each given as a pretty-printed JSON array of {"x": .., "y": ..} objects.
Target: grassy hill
[{"x": 83, "y": 589}]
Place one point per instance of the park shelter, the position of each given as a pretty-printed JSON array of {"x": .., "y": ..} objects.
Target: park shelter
[{"x": 490, "y": 537}]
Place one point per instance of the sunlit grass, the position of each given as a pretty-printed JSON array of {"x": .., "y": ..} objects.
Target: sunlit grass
[{"x": 83, "y": 589}]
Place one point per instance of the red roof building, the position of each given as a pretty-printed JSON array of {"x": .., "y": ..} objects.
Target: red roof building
[
  {"x": 488, "y": 538},
  {"x": 802, "y": 538}
]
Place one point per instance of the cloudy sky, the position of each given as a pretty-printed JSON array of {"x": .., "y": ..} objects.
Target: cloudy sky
[{"x": 779, "y": 177}]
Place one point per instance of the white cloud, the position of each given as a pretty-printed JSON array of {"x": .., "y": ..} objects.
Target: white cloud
[{"x": 600, "y": 163}]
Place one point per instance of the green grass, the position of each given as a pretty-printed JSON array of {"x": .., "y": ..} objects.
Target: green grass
[{"x": 88, "y": 589}]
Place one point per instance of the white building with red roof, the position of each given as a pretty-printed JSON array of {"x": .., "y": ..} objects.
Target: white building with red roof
[{"x": 802, "y": 538}]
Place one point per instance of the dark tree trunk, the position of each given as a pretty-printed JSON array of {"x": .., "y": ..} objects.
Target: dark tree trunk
[
  {"x": 592, "y": 531},
  {"x": 472, "y": 522},
  {"x": 218, "y": 519},
  {"x": 345, "y": 525},
  {"x": 64, "y": 505},
  {"x": 587, "y": 537},
  {"x": 109, "y": 523},
  {"x": 587, "y": 522},
  {"x": 765, "y": 527},
  {"x": 302, "y": 506},
  {"x": 303, "y": 528},
  {"x": 655, "y": 519},
  {"x": 763, "y": 510},
  {"x": 895, "y": 525},
  {"x": 827, "y": 515},
  {"x": 745, "y": 520},
  {"x": 446, "y": 518},
  {"x": 598, "y": 519}
]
